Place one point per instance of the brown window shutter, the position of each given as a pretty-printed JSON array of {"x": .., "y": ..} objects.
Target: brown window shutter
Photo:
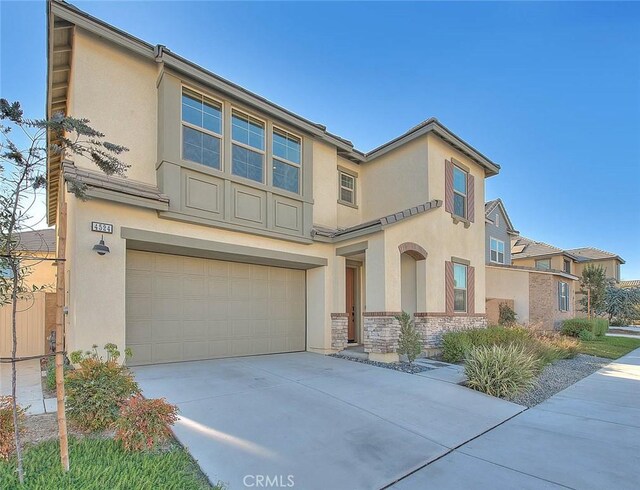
[
  {"x": 471, "y": 198},
  {"x": 471, "y": 290},
  {"x": 448, "y": 287},
  {"x": 448, "y": 186}
]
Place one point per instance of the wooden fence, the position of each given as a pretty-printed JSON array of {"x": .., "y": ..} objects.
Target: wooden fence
[{"x": 33, "y": 324}]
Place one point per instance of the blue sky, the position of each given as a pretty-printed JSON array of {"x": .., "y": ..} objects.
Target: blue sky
[{"x": 551, "y": 91}]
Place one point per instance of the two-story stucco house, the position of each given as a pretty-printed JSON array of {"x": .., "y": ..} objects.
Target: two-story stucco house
[
  {"x": 535, "y": 279},
  {"x": 242, "y": 228}
]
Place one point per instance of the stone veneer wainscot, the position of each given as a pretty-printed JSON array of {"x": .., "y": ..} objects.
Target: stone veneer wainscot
[
  {"x": 339, "y": 330},
  {"x": 432, "y": 326}
]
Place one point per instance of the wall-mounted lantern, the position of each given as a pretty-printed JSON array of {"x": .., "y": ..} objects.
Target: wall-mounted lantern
[{"x": 100, "y": 248}]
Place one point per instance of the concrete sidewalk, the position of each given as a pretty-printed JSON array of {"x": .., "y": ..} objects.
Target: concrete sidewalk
[
  {"x": 29, "y": 387},
  {"x": 587, "y": 436}
]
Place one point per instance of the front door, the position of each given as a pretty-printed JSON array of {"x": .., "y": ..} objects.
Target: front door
[{"x": 351, "y": 304}]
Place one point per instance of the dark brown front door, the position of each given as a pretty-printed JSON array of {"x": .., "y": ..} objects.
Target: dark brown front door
[{"x": 351, "y": 304}]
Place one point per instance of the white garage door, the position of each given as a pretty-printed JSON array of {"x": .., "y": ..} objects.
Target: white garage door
[{"x": 187, "y": 308}]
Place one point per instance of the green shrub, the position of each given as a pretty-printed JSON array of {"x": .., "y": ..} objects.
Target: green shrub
[
  {"x": 597, "y": 326},
  {"x": 455, "y": 346},
  {"x": 600, "y": 327},
  {"x": 7, "y": 440},
  {"x": 409, "y": 341},
  {"x": 143, "y": 424},
  {"x": 96, "y": 390},
  {"x": 574, "y": 326},
  {"x": 507, "y": 315},
  {"x": 586, "y": 335},
  {"x": 500, "y": 370},
  {"x": 51, "y": 373}
]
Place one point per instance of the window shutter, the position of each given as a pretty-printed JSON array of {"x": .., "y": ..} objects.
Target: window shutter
[
  {"x": 448, "y": 287},
  {"x": 448, "y": 186},
  {"x": 471, "y": 290},
  {"x": 471, "y": 198},
  {"x": 560, "y": 296}
]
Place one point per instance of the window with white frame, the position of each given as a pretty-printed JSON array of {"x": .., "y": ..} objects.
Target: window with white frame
[
  {"x": 459, "y": 192},
  {"x": 563, "y": 296},
  {"x": 459, "y": 288},
  {"x": 497, "y": 251},
  {"x": 543, "y": 264},
  {"x": 347, "y": 188},
  {"x": 286, "y": 160},
  {"x": 201, "y": 129},
  {"x": 247, "y": 149}
]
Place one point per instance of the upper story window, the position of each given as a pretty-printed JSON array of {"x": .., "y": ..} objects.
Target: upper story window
[
  {"x": 286, "y": 160},
  {"x": 247, "y": 149},
  {"x": 347, "y": 188},
  {"x": 201, "y": 129},
  {"x": 459, "y": 288},
  {"x": 563, "y": 296},
  {"x": 567, "y": 266},
  {"x": 459, "y": 192},
  {"x": 543, "y": 264},
  {"x": 497, "y": 251}
]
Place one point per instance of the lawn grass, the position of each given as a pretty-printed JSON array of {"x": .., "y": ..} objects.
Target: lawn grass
[
  {"x": 101, "y": 463},
  {"x": 609, "y": 347}
]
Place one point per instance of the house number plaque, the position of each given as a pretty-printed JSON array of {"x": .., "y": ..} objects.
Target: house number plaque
[{"x": 101, "y": 227}]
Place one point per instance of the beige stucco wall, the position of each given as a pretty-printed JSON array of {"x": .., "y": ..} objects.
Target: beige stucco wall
[
  {"x": 116, "y": 91},
  {"x": 347, "y": 215},
  {"x": 557, "y": 262},
  {"x": 610, "y": 266},
  {"x": 504, "y": 283},
  {"x": 395, "y": 181}
]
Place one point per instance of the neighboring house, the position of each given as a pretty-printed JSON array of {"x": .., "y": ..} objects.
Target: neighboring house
[
  {"x": 499, "y": 233},
  {"x": 542, "y": 256},
  {"x": 35, "y": 316},
  {"x": 589, "y": 255},
  {"x": 531, "y": 277},
  {"x": 243, "y": 228}
]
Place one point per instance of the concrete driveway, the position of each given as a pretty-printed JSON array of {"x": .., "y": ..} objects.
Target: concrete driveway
[
  {"x": 587, "y": 436},
  {"x": 325, "y": 422}
]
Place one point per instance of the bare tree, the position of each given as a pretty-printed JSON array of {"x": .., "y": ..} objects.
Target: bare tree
[{"x": 22, "y": 173}]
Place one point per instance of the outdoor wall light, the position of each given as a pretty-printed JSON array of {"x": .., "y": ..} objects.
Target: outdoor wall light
[{"x": 100, "y": 248}]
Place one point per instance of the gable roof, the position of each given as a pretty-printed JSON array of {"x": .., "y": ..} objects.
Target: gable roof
[
  {"x": 41, "y": 241},
  {"x": 522, "y": 247},
  {"x": 490, "y": 206},
  {"x": 586, "y": 254}
]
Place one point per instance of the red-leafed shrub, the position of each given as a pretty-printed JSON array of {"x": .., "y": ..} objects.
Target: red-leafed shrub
[
  {"x": 145, "y": 423},
  {"x": 7, "y": 441}
]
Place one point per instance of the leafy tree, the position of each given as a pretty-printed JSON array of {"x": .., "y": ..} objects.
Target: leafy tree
[
  {"x": 621, "y": 303},
  {"x": 593, "y": 284},
  {"x": 24, "y": 148},
  {"x": 409, "y": 341}
]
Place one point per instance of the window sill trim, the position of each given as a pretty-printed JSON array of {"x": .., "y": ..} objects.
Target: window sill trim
[
  {"x": 348, "y": 204},
  {"x": 459, "y": 219}
]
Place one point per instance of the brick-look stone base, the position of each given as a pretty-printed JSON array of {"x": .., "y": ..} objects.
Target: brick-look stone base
[
  {"x": 339, "y": 330},
  {"x": 381, "y": 334},
  {"x": 432, "y": 328}
]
